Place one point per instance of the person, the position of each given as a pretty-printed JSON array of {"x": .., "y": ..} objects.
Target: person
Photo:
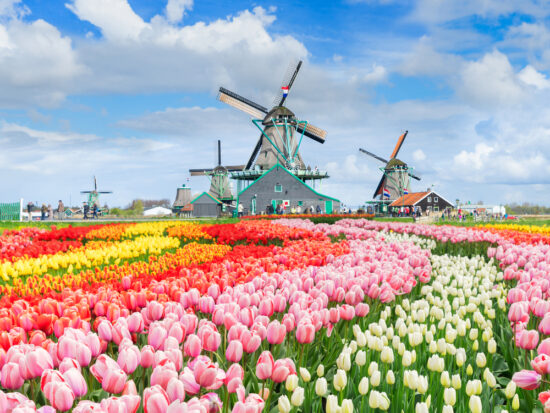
[
  {"x": 292, "y": 210},
  {"x": 86, "y": 210},
  {"x": 43, "y": 211},
  {"x": 318, "y": 209},
  {"x": 60, "y": 210},
  {"x": 240, "y": 210},
  {"x": 298, "y": 209},
  {"x": 94, "y": 210},
  {"x": 50, "y": 212},
  {"x": 29, "y": 210}
]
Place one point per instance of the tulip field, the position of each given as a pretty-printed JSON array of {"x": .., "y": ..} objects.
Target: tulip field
[{"x": 275, "y": 316}]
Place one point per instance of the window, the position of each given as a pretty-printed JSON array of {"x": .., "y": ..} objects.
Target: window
[
  {"x": 436, "y": 199},
  {"x": 300, "y": 203},
  {"x": 278, "y": 188},
  {"x": 429, "y": 199},
  {"x": 436, "y": 208}
]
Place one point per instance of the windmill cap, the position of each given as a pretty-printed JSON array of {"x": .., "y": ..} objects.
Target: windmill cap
[
  {"x": 278, "y": 111},
  {"x": 395, "y": 162}
]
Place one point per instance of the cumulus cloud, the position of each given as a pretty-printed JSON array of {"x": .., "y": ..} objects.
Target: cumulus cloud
[
  {"x": 175, "y": 9},
  {"x": 419, "y": 155}
]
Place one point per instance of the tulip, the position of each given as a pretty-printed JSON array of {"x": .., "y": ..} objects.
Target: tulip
[
  {"x": 283, "y": 404},
  {"x": 234, "y": 351},
  {"x": 475, "y": 404},
  {"x": 340, "y": 380},
  {"x": 275, "y": 332},
  {"x": 364, "y": 386},
  {"x": 114, "y": 381},
  {"x": 11, "y": 377},
  {"x": 297, "y": 396},
  {"x": 527, "y": 379},
  {"x": 155, "y": 400},
  {"x": 321, "y": 386},
  {"x": 76, "y": 381},
  {"x": 264, "y": 367},
  {"x": 192, "y": 346}
]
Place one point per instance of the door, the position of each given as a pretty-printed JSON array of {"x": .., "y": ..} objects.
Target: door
[{"x": 328, "y": 207}]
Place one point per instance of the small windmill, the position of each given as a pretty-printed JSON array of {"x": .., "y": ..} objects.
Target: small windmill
[
  {"x": 219, "y": 177},
  {"x": 93, "y": 195},
  {"x": 281, "y": 132},
  {"x": 395, "y": 181}
]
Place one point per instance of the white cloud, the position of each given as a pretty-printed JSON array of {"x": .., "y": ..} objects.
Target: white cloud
[
  {"x": 175, "y": 9},
  {"x": 376, "y": 75},
  {"x": 474, "y": 160},
  {"x": 13, "y": 9},
  {"x": 419, "y": 155},
  {"x": 530, "y": 76},
  {"x": 424, "y": 60},
  {"x": 490, "y": 80}
]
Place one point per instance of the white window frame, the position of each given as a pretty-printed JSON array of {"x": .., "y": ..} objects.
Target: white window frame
[
  {"x": 436, "y": 199},
  {"x": 429, "y": 199},
  {"x": 278, "y": 185}
]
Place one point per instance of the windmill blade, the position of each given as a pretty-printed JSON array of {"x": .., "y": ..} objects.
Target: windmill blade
[
  {"x": 234, "y": 168},
  {"x": 104, "y": 192},
  {"x": 288, "y": 80},
  {"x": 379, "y": 187},
  {"x": 313, "y": 132},
  {"x": 414, "y": 177},
  {"x": 254, "y": 153},
  {"x": 373, "y": 155},
  {"x": 95, "y": 184},
  {"x": 238, "y": 102},
  {"x": 86, "y": 192},
  {"x": 398, "y": 145},
  {"x": 199, "y": 172}
]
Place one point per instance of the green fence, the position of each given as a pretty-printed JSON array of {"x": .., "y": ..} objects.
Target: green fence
[{"x": 10, "y": 211}]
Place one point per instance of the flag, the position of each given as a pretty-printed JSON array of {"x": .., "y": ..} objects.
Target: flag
[
  {"x": 405, "y": 191},
  {"x": 386, "y": 193},
  {"x": 285, "y": 91}
]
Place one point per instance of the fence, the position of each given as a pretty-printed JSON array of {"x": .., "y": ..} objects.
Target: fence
[{"x": 11, "y": 211}]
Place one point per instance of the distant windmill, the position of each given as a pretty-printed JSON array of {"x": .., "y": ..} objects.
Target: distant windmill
[
  {"x": 93, "y": 195},
  {"x": 395, "y": 181},
  {"x": 219, "y": 177},
  {"x": 278, "y": 142}
]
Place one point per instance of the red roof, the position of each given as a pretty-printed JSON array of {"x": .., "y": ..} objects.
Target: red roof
[
  {"x": 188, "y": 207},
  {"x": 409, "y": 199}
]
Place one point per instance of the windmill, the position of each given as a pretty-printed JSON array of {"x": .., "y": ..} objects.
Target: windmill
[
  {"x": 395, "y": 181},
  {"x": 281, "y": 132},
  {"x": 93, "y": 195},
  {"x": 219, "y": 178}
]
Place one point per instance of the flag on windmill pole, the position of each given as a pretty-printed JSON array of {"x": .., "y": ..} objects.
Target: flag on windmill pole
[
  {"x": 405, "y": 191},
  {"x": 285, "y": 91},
  {"x": 386, "y": 192}
]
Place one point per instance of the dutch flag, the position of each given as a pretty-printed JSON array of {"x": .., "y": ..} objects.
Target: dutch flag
[
  {"x": 285, "y": 91},
  {"x": 386, "y": 193},
  {"x": 405, "y": 191}
]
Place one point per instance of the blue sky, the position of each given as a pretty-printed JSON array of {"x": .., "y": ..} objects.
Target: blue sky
[{"x": 125, "y": 90}]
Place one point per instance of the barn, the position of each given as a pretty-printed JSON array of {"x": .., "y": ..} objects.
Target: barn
[
  {"x": 279, "y": 186},
  {"x": 427, "y": 201},
  {"x": 205, "y": 205}
]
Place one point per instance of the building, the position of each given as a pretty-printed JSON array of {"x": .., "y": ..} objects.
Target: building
[
  {"x": 426, "y": 201},
  {"x": 279, "y": 186},
  {"x": 205, "y": 205},
  {"x": 157, "y": 212}
]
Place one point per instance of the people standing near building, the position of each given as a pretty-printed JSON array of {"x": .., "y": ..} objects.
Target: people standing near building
[
  {"x": 86, "y": 210},
  {"x": 94, "y": 211},
  {"x": 240, "y": 210},
  {"x": 60, "y": 210},
  {"x": 29, "y": 210},
  {"x": 318, "y": 209},
  {"x": 50, "y": 212}
]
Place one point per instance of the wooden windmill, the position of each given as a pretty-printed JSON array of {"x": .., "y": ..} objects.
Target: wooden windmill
[
  {"x": 93, "y": 195},
  {"x": 396, "y": 174},
  {"x": 219, "y": 177},
  {"x": 281, "y": 132}
]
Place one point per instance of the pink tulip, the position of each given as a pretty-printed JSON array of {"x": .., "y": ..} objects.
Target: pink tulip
[
  {"x": 105, "y": 330},
  {"x": 192, "y": 346},
  {"x": 102, "y": 365},
  {"x": 527, "y": 379},
  {"x": 155, "y": 400},
  {"x": 305, "y": 333},
  {"x": 518, "y": 312},
  {"x": 76, "y": 381},
  {"x": 544, "y": 347},
  {"x": 61, "y": 396},
  {"x": 361, "y": 309},
  {"x": 130, "y": 388},
  {"x": 147, "y": 356},
  {"x": 234, "y": 351},
  {"x": 264, "y": 367},
  {"x": 129, "y": 359},
  {"x": 11, "y": 377},
  {"x": 544, "y": 326},
  {"x": 211, "y": 340},
  {"x": 135, "y": 323},
  {"x": 162, "y": 375},
  {"x": 251, "y": 342},
  {"x": 67, "y": 364},
  {"x": 205, "y": 374},
  {"x": 157, "y": 335},
  {"x": 276, "y": 332},
  {"x": 527, "y": 339},
  {"x": 114, "y": 381},
  {"x": 175, "y": 390},
  {"x": 541, "y": 364}
]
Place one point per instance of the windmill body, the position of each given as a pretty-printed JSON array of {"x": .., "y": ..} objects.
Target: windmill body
[
  {"x": 396, "y": 174},
  {"x": 220, "y": 187},
  {"x": 281, "y": 134},
  {"x": 93, "y": 195}
]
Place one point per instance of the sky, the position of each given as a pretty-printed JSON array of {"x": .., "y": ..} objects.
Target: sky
[{"x": 125, "y": 90}]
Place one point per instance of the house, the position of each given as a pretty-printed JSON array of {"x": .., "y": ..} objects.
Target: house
[
  {"x": 279, "y": 186},
  {"x": 205, "y": 205},
  {"x": 427, "y": 201}
]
